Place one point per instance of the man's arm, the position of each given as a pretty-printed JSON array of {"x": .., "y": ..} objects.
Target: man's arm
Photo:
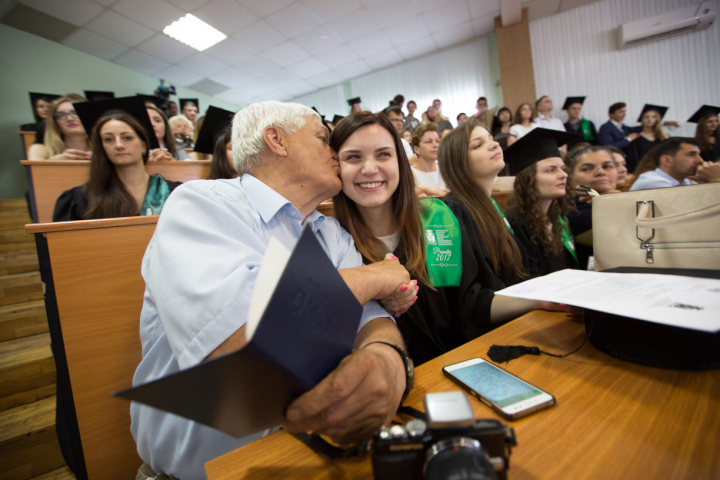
[{"x": 606, "y": 136}]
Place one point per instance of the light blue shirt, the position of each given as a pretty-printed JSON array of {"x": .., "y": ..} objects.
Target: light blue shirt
[
  {"x": 200, "y": 269},
  {"x": 656, "y": 179},
  {"x": 551, "y": 122}
]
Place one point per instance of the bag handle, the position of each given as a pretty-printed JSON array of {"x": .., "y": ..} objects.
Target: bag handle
[{"x": 644, "y": 217}]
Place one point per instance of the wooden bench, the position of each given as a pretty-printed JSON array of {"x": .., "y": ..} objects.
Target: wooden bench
[
  {"x": 94, "y": 295},
  {"x": 47, "y": 180},
  {"x": 28, "y": 139}
]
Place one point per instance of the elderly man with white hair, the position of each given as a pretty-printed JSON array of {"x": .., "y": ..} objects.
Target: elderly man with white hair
[{"x": 200, "y": 268}]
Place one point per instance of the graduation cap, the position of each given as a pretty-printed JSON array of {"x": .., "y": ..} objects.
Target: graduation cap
[
  {"x": 322, "y": 118},
  {"x": 539, "y": 144},
  {"x": 91, "y": 112},
  {"x": 155, "y": 100},
  {"x": 571, "y": 100},
  {"x": 353, "y": 101},
  {"x": 336, "y": 119},
  {"x": 658, "y": 108},
  {"x": 193, "y": 101},
  {"x": 703, "y": 111},
  {"x": 93, "y": 95},
  {"x": 34, "y": 97},
  {"x": 216, "y": 122}
]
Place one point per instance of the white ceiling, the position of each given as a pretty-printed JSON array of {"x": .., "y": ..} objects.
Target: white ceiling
[{"x": 276, "y": 48}]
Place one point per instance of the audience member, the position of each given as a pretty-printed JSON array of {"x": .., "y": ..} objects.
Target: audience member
[
  {"x": 399, "y": 100},
  {"x": 65, "y": 137},
  {"x": 183, "y": 130},
  {"x": 168, "y": 150},
  {"x": 624, "y": 179},
  {"x": 355, "y": 104},
  {"x": 190, "y": 110},
  {"x": 523, "y": 121},
  {"x": 407, "y": 136},
  {"x": 425, "y": 142},
  {"x": 650, "y": 135},
  {"x": 444, "y": 132},
  {"x": 545, "y": 118},
  {"x": 502, "y": 125},
  {"x": 707, "y": 132},
  {"x": 678, "y": 161},
  {"x": 411, "y": 122},
  {"x": 436, "y": 117},
  {"x": 462, "y": 119},
  {"x": 395, "y": 115},
  {"x": 218, "y": 231},
  {"x": 614, "y": 132},
  {"x": 40, "y": 106},
  {"x": 577, "y": 124},
  {"x": 222, "y": 166},
  {"x": 484, "y": 116},
  {"x": 118, "y": 186},
  {"x": 172, "y": 109}
]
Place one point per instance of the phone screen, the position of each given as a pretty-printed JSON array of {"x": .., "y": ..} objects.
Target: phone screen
[{"x": 494, "y": 384}]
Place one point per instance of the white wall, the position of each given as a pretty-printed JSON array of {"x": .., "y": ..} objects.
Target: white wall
[{"x": 575, "y": 53}]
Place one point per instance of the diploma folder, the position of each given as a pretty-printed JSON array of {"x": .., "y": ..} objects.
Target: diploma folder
[{"x": 302, "y": 322}]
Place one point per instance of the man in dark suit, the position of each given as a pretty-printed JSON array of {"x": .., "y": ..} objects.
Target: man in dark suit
[{"x": 614, "y": 132}]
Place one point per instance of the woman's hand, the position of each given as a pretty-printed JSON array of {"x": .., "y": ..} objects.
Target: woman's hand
[
  {"x": 160, "y": 155},
  {"x": 403, "y": 298},
  {"x": 560, "y": 307},
  {"x": 72, "y": 154}
]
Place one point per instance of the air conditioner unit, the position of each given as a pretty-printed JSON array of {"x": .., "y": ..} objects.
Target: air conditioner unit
[{"x": 676, "y": 22}]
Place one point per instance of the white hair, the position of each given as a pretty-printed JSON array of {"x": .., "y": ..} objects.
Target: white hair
[
  {"x": 248, "y": 144},
  {"x": 174, "y": 120}
]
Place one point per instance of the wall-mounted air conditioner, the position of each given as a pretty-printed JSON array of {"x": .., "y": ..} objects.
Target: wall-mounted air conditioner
[{"x": 676, "y": 22}]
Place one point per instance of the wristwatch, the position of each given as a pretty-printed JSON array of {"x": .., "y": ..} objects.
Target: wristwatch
[{"x": 407, "y": 362}]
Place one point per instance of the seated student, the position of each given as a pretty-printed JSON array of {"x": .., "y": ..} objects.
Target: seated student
[
  {"x": 222, "y": 166},
  {"x": 407, "y": 136},
  {"x": 614, "y": 132},
  {"x": 182, "y": 130},
  {"x": 539, "y": 205},
  {"x": 65, "y": 137},
  {"x": 118, "y": 186},
  {"x": 623, "y": 177},
  {"x": 168, "y": 150},
  {"x": 483, "y": 116},
  {"x": 425, "y": 142},
  {"x": 200, "y": 269},
  {"x": 594, "y": 167},
  {"x": 462, "y": 118},
  {"x": 523, "y": 121},
  {"x": 396, "y": 117},
  {"x": 410, "y": 122},
  {"x": 650, "y": 135},
  {"x": 40, "y": 107},
  {"x": 545, "y": 118},
  {"x": 433, "y": 115},
  {"x": 501, "y": 128},
  {"x": 707, "y": 132},
  {"x": 377, "y": 205},
  {"x": 576, "y": 124}
]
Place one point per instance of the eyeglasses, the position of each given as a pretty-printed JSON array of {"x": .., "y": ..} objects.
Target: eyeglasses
[{"x": 64, "y": 115}]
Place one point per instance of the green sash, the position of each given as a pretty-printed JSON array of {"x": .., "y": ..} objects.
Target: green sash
[
  {"x": 567, "y": 237},
  {"x": 507, "y": 224},
  {"x": 157, "y": 192},
  {"x": 586, "y": 128},
  {"x": 442, "y": 243}
]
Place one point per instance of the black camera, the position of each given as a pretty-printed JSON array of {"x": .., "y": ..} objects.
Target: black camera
[{"x": 450, "y": 444}]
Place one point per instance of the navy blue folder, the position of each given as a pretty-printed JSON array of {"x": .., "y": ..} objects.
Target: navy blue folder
[{"x": 308, "y": 327}]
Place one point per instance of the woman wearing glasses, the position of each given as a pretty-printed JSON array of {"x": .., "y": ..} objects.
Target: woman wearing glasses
[{"x": 65, "y": 137}]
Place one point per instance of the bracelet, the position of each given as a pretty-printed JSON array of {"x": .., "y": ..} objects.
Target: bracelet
[{"x": 407, "y": 363}]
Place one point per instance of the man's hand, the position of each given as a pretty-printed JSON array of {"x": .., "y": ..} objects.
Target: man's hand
[
  {"x": 377, "y": 280},
  {"x": 707, "y": 172},
  {"x": 158, "y": 155},
  {"x": 632, "y": 136},
  {"x": 671, "y": 123},
  {"x": 403, "y": 298}
]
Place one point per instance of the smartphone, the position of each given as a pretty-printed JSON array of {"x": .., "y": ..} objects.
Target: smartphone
[{"x": 502, "y": 391}]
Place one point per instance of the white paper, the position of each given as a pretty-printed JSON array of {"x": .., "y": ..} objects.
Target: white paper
[
  {"x": 271, "y": 269},
  {"x": 686, "y": 302}
]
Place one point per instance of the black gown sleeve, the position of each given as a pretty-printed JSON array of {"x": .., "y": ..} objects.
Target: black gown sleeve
[
  {"x": 537, "y": 264},
  {"x": 594, "y": 133},
  {"x": 70, "y": 206},
  {"x": 633, "y": 154}
]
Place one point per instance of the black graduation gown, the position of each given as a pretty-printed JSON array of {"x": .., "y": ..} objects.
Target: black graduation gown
[
  {"x": 539, "y": 263},
  {"x": 712, "y": 155},
  {"x": 72, "y": 204},
  {"x": 580, "y": 221},
  {"x": 637, "y": 149},
  {"x": 577, "y": 128}
]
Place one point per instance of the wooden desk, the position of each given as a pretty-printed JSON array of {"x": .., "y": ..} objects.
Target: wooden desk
[
  {"x": 28, "y": 139},
  {"x": 613, "y": 419},
  {"x": 93, "y": 298},
  {"x": 47, "y": 180}
]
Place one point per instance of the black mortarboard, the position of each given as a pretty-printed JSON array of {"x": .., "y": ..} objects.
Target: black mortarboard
[
  {"x": 322, "y": 118},
  {"x": 216, "y": 122},
  {"x": 539, "y": 144},
  {"x": 570, "y": 100},
  {"x": 194, "y": 101},
  {"x": 353, "y": 101},
  {"x": 336, "y": 119},
  {"x": 34, "y": 97},
  {"x": 91, "y": 112},
  {"x": 93, "y": 95},
  {"x": 704, "y": 110},
  {"x": 155, "y": 100},
  {"x": 658, "y": 108}
]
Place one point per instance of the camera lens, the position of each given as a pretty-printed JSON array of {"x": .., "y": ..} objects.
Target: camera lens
[{"x": 458, "y": 458}]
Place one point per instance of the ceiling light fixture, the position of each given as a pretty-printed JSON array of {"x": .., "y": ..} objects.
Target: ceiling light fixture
[{"x": 192, "y": 31}]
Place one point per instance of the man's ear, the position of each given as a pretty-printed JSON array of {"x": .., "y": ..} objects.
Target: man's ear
[
  {"x": 665, "y": 161},
  {"x": 276, "y": 141}
]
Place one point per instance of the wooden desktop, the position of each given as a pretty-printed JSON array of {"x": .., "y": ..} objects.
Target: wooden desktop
[{"x": 613, "y": 419}]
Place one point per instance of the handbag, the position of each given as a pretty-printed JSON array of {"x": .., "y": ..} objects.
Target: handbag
[{"x": 675, "y": 227}]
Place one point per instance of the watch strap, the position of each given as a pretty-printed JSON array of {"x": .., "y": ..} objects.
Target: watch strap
[{"x": 407, "y": 363}]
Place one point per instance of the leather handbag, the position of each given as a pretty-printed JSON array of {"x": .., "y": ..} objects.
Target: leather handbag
[{"x": 675, "y": 227}]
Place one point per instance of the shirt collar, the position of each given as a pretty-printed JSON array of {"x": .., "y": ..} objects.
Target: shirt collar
[
  {"x": 662, "y": 173},
  {"x": 540, "y": 115},
  {"x": 618, "y": 125}
]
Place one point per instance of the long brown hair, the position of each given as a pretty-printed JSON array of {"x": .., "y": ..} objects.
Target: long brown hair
[
  {"x": 527, "y": 200},
  {"x": 504, "y": 253},
  {"x": 169, "y": 138},
  {"x": 657, "y": 128},
  {"x": 701, "y": 134},
  {"x": 54, "y": 141},
  {"x": 518, "y": 114},
  {"x": 404, "y": 202},
  {"x": 106, "y": 195},
  {"x": 219, "y": 166}
]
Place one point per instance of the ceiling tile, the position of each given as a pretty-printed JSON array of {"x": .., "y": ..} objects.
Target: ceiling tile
[
  {"x": 384, "y": 59},
  {"x": 277, "y": 94},
  {"x": 484, "y": 25},
  {"x": 262, "y": 8},
  {"x": 141, "y": 62},
  {"x": 225, "y": 15},
  {"x": 202, "y": 64},
  {"x": 417, "y": 48},
  {"x": 300, "y": 87},
  {"x": 232, "y": 96},
  {"x": 371, "y": 44},
  {"x": 337, "y": 57},
  {"x": 328, "y": 10},
  {"x": 353, "y": 26},
  {"x": 318, "y": 40},
  {"x": 155, "y": 14},
  {"x": 286, "y": 54},
  {"x": 178, "y": 76},
  {"x": 105, "y": 3},
  {"x": 425, "y": 5},
  {"x": 405, "y": 32},
  {"x": 394, "y": 13},
  {"x": 447, "y": 16},
  {"x": 229, "y": 51},
  {"x": 208, "y": 87},
  {"x": 232, "y": 77},
  {"x": 166, "y": 48},
  {"x": 254, "y": 88},
  {"x": 259, "y": 36},
  {"x": 94, "y": 44},
  {"x": 308, "y": 67},
  {"x": 280, "y": 78},
  {"x": 483, "y": 8},
  {"x": 326, "y": 79},
  {"x": 121, "y": 29},
  {"x": 188, "y": 5},
  {"x": 454, "y": 35},
  {"x": 354, "y": 69},
  {"x": 293, "y": 20},
  {"x": 256, "y": 66},
  {"x": 76, "y": 12}
]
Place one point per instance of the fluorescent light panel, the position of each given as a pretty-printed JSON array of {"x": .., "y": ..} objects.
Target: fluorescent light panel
[{"x": 195, "y": 33}]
